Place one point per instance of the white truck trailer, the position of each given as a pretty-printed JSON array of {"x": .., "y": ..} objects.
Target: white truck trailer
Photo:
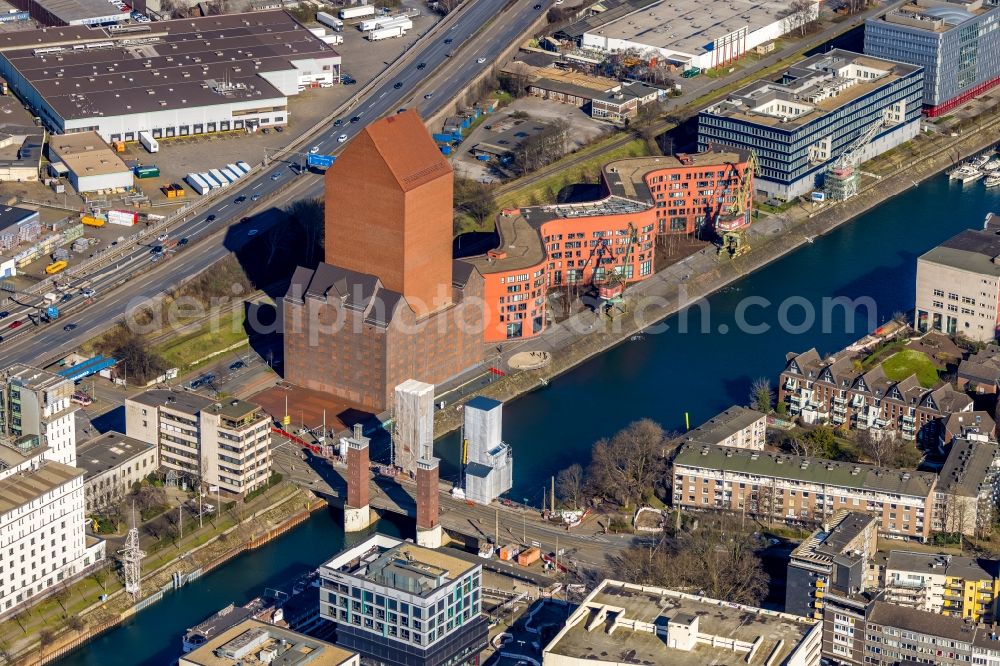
[
  {"x": 330, "y": 21},
  {"x": 385, "y": 33},
  {"x": 148, "y": 142},
  {"x": 359, "y": 11},
  {"x": 197, "y": 183}
]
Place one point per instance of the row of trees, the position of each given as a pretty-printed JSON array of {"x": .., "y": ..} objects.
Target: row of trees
[{"x": 541, "y": 148}]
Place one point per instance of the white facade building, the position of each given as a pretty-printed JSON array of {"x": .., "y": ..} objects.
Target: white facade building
[
  {"x": 689, "y": 34},
  {"x": 489, "y": 462},
  {"x": 42, "y": 538}
]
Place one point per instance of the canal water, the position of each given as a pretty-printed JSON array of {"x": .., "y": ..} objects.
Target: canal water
[
  {"x": 665, "y": 375},
  {"x": 662, "y": 376},
  {"x": 153, "y": 637}
]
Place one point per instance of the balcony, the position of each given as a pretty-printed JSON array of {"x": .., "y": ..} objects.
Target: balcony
[
  {"x": 912, "y": 420},
  {"x": 839, "y": 401},
  {"x": 839, "y": 409}
]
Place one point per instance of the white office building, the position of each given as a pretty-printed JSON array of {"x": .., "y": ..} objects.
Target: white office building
[
  {"x": 38, "y": 402},
  {"x": 489, "y": 462}
]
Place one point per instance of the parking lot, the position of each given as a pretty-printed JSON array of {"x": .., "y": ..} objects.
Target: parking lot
[{"x": 583, "y": 129}]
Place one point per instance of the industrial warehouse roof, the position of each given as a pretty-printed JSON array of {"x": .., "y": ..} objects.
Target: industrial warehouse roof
[
  {"x": 973, "y": 250},
  {"x": 74, "y": 11},
  {"x": 12, "y": 215},
  {"x": 85, "y": 154},
  {"x": 608, "y": 11},
  {"x": 108, "y": 451},
  {"x": 690, "y": 26},
  {"x": 29, "y": 485},
  {"x": 85, "y": 72},
  {"x": 811, "y": 470},
  {"x": 809, "y": 89},
  {"x": 620, "y": 623}
]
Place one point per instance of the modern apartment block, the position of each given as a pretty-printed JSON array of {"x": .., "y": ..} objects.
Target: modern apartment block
[
  {"x": 808, "y": 115},
  {"x": 958, "y": 283},
  {"x": 574, "y": 245},
  {"x": 861, "y": 630},
  {"x": 838, "y": 552},
  {"x": 737, "y": 426},
  {"x": 622, "y": 623},
  {"x": 38, "y": 402},
  {"x": 833, "y": 390},
  {"x": 802, "y": 489},
  {"x": 389, "y": 303},
  {"x": 968, "y": 488},
  {"x": 962, "y": 587},
  {"x": 225, "y": 444},
  {"x": 42, "y": 523},
  {"x": 956, "y": 42},
  {"x": 397, "y": 603},
  {"x": 112, "y": 462}
]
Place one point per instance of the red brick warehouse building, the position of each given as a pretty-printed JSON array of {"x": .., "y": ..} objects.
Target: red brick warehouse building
[
  {"x": 389, "y": 303},
  {"x": 561, "y": 245}
]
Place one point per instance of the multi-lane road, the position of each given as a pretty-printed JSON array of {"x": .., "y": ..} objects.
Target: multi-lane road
[{"x": 441, "y": 66}]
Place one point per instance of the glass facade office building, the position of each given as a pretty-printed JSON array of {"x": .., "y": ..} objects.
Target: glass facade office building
[
  {"x": 957, "y": 44},
  {"x": 801, "y": 121},
  {"x": 400, "y": 604}
]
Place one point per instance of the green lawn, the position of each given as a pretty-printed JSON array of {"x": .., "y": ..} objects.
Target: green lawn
[
  {"x": 904, "y": 363},
  {"x": 183, "y": 351},
  {"x": 544, "y": 190}
]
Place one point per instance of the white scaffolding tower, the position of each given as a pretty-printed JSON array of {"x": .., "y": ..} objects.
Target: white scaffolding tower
[{"x": 131, "y": 559}]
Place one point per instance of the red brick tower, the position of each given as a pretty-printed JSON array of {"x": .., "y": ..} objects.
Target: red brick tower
[
  {"x": 357, "y": 514},
  {"x": 428, "y": 527},
  {"x": 389, "y": 211}
]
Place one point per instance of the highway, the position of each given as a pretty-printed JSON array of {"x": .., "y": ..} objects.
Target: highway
[{"x": 138, "y": 276}]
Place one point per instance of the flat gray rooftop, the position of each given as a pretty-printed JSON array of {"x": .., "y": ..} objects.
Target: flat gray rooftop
[
  {"x": 83, "y": 10},
  {"x": 83, "y": 72},
  {"x": 108, "y": 451},
  {"x": 779, "y": 634},
  {"x": 177, "y": 401},
  {"x": 972, "y": 250},
  {"x": 690, "y": 26}
]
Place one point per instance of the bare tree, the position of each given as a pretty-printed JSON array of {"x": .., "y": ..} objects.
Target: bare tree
[
  {"x": 569, "y": 485},
  {"x": 624, "y": 468},
  {"x": 476, "y": 199},
  {"x": 761, "y": 394},
  {"x": 516, "y": 79},
  {"x": 715, "y": 559},
  {"x": 798, "y": 16}
]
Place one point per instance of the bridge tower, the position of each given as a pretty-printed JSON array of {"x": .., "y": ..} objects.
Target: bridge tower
[{"x": 357, "y": 512}]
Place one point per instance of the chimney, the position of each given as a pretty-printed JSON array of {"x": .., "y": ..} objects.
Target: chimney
[
  {"x": 428, "y": 527},
  {"x": 357, "y": 514}
]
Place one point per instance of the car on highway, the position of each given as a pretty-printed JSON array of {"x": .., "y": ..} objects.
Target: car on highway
[
  {"x": 88, "y": 293},
  {"x": 15, "y": 324},
  {"x": 162, "y": 237},
  {"x": 421, "y": 65},
  {"x": 537, "y": 7},
  {"x": 236, "y": 365},
  {"x": 210, "y": 218},
  {"x": 238, "y": 200},
  {"x": 157, "y": 249},
  {"x": 342, "y": 138},
  {"x": 66, "y": 298},
  {"x": 252, "y": 232},
  {"x": 183, "y": 241},
  {"x": 355, "y": 119},
  {"x": 69, "y": 327},
  {"x": 276, "y": 175},
  {"x": 449, "y": 40},
  {"x": 4, "y": 314},
  {"x": 429, "y": 95},
  {"x": 339, "y": 122},
  {"x": 255, "y": 197},
  {"x": 1, "y": 338},
  {"x": 481, "y": 60},
  {"x": 397, "y": 85},
  {"x": 314, "y": 150}
]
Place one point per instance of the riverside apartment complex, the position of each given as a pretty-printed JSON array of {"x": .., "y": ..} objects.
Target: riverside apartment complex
[{"x": 225, "y": 444}]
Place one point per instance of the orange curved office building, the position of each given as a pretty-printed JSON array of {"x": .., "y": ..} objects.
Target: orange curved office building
[{"x": 550, "y": 247}]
